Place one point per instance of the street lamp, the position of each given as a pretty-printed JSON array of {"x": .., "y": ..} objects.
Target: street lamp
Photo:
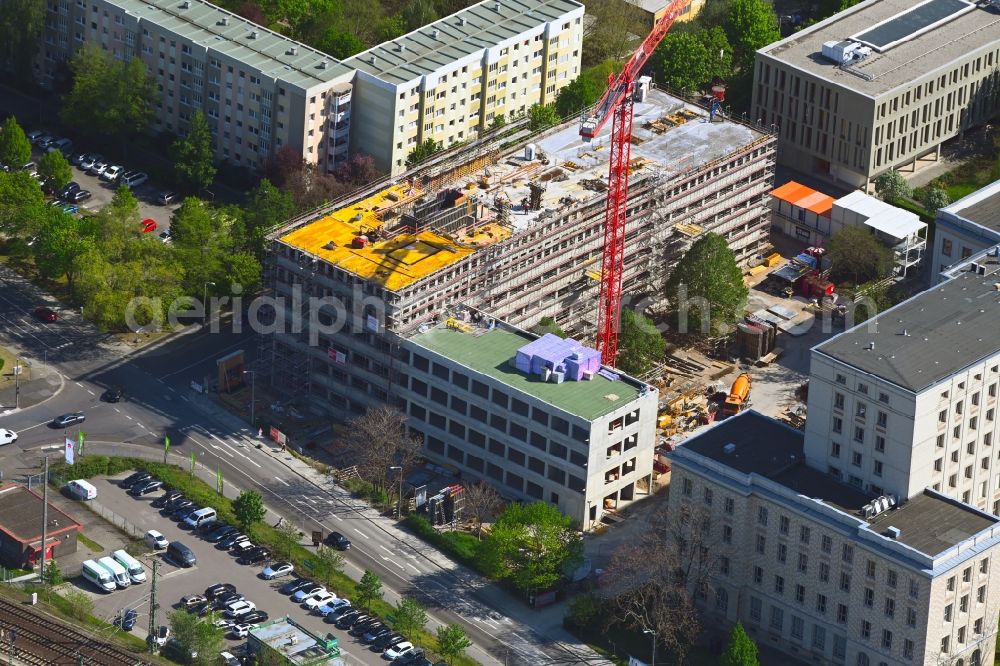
[
  {"x": 204, "y": 302},
  {"x": 253, "y": 395},
  {"x": 653, "y": 634},
  {"x": 399, "y": 500},
  {"x": 17, "y": 383}
]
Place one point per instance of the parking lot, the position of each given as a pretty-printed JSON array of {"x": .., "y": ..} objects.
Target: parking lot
[{"x": 213, "y": 566}]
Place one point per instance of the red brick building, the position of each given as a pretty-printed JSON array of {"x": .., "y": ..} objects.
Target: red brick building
[{"x": 21, "y": 528}]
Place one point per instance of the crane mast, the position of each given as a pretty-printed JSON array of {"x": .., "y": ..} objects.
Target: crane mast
[{"x": 617, "y": 104}]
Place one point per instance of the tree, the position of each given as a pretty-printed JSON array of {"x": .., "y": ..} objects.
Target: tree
[
  {"x": 327, "y": 561},
  {"x": 55, "y": 170},
  {"x": 652, "y": 581},
  {"x": 890, "y": 186},
  {"x": 81, "y": 604},
  {"x": 692, "y": 60},
  {"x": 59, "y": 241},
  {"x": 409, "y": 616},
  {"x": 706, "y": 288},
  {"x": 389, "y": 28},
  {"x": 15, "y": 149},
  {"x": 53, "y": 577},
  {"x": 548, "y": 325},
  {"x": 751, "y": 24},
  {"x": 452, "y": 641},
  {"x": 108, "y": 97},
  {"x": 267, "y": 207},
  {"x": 196, "y": 634},
  {"x": 579, "y": 94},
  {"x": 251, "y": 11},
  {"x": 482, "y": 504},
  {"x": 249, "y": 508},
  {"x": 21, "y": 23},
  {"x": 340, "y": 44},
  {"x": 369, "y": 589},
  {"x": 541, "y": 116},
  {"x": 608, "y": 31},
  {"x": 358, "y": 170},
  {"x": 935, "y": 198},
  {"x": 741, "y": 650},
  {"x": 855, "y": 254},
  {"x": 640, "y": 345},
  {"x": 194, "y": 159},
  {"x": 418, "y": 13},
  {"x": 22, "y": 204},
  {"x": 379, "y": 440},
  {"x": 422, "y": 151},
  {"x": 287, "y": 537},
  {"x": 533, "y": 546}
]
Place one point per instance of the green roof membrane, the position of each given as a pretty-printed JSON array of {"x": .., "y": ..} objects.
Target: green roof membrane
[{"x": 490, "y": 354}]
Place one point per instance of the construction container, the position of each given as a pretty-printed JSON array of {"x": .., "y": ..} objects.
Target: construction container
[
  {"x": 751, "y": 339},
  {"x": 773, "y": 260}
]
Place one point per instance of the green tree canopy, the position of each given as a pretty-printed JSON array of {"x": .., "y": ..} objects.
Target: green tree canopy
[
  {"x": 249, "y": 508},
  {"x": 54, "y": 170},
  {"x": 418, "y": 13},
  {"x": 108, "y": 97},
  {"x": 199, "y": 635},
  {"x": 935, "y": 198},
  {"x": 22, "y": 204},
  {"x": 891, "y": 186},
  {"x": 751, "y": 24},
  {"x": 692, "y": 59},
  {"x": 15, "y": 149},
  {"x": 532, "y": 545},
  {"x": 60, "y": 241},
  {"x": 21, "y": 23},
  {"x": 409, "y": 616},
  {"x": 194, "y": 159},
  {"x": 340, "y": 44},
  {"x": 741, "y": 650},
  {"x": 640, "y": 345},
  {"x": 327, "y": 561},
  {"x": 579, "y": 94},
  {"x": 452, "y": 641},
  {"x": 856, "y": 255},
  {"x": 422, "y": 151},
  {"x": 369, "y": 589},
  {"x": 267, "y": 207},
  {"x": 541, "y": 116},
  {"x": 706, "y": 287}
]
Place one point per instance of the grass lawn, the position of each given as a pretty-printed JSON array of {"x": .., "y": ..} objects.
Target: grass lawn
[
  {"x": 92, "y": 545},
  {"x": 7, "y": 362}
]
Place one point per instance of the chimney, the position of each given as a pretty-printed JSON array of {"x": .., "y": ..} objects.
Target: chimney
[
  {"x": 253, "y": 34},
  {"x": 871, "y": 346},
  {"x": 322, "y": 64},
  {"x": 373, "y": 60},
  {"x": 461, "y": 20},
  {"x": 434, "y": 33},
  {"x": 186, "y": 4},
  {"x": 400, "y": 46},
  {"x": 496, "y": 7},
  {"x": 224, "y": 20},
  {"x": 293, "y": 50}
]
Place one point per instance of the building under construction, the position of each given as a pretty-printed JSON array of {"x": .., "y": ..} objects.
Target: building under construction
[{"x": 513, "y": 233}]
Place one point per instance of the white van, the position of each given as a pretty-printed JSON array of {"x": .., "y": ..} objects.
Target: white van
[
  {"x": 200, "y": 517},
  {"x": 81, "y": 490},
  {"x": 98, "y": 575},
  {"x": 117, "y": 571},
  {"x": 135, "y": 571}
]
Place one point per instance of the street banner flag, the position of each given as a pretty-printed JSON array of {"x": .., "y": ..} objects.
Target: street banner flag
[
  {"x": 81, "y": 438},
  {"x": 69, "y": 451},
  {"x": 166, "y": 445}
]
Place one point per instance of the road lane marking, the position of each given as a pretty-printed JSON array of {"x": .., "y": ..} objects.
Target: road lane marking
[
  {"x": 91, "y": 393},
  {"x": 34, "y": 426},
  {"x": 361, "y": 533},
  {"x": 118, "y": 410},
  {"x": 129, "y": 417},
  {"x": 279, "y": 479},
  {"x": 78, "y": 384}
]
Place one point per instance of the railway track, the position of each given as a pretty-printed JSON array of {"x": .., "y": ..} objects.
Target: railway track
[{"x": 42, "y": 641}]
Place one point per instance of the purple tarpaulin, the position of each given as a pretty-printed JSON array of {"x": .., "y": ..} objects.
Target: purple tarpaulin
[{"x": 557, "y": 355}]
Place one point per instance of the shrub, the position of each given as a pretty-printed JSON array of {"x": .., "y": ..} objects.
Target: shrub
[{"x": 460, "y": 545}]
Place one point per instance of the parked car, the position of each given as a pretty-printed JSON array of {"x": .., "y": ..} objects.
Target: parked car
[
  {"x": 386, "y": 641},
  {"x": 155, "y": 540},
  {"x": 35, "y": 135},
  {"x": 253, "y": 556},
  {"x": 71, "y": 209},
  {"x": 276, "y": 570},
  {"x": 112, "y": 172},
  {"x": 126, "y": 620},
  {"x": 219, "y": 589},
  {"x": 182, "y": 512},
  {"x": 294, "y": 585},
  {"x": 78, "y": 196},
  {"x": 166, "y": 197},
  {"x": 162, "y": 634},
  {"x": 98, "y": 167},
  {"x": 338, "y": 541},
  {"x": 314, "y": 602},
  {"x": 347, "y": 620},
  {"x": 224, "y": 623},
  {"x": 308, "y": 592},
  {"x": 359, "y": 629},
  {"x": 397, "y": 651},
  {"x": 76, "y": 158},
  {"x": 414, "y": 658},
  {"x": 148, "y": 226},
  {"x": 166, "y": 236},
  {"x": 239, "y": 609},
  {"x": 228, "y": 542},
  {"x": 45, "y": 314},
  {"x": 133, "y": 180},
  {"x": 204, "y": 608},
  {"x": 228, "y": 659},
  {"x": 254, "y": 617},
  {"x": 140, "y": 489},
  {"x": 192, "y": 600},
  {"x": 241, "y": 548},
  {"x": 113, "y": 394},
  {"x": 40, "y": 138},
  {"x": 67, "y": 420},
  {"x": 89, "y": 160},
  {"x": 175, "y": 501},
  {"x": 375, "y": 631},
  {"x": 134, "y": 478},
  {"x": 68, "y": 189},
  {"x": 240, "y": 630},
  {"x": 220, "y": 532},
  {"x": 227, "y": 598},
  {"x": 7, "y": 436},
  {"x": 64, "y": 146},
  {"x": 165, "y": 499},
  {"x": 333, "y": 606}
]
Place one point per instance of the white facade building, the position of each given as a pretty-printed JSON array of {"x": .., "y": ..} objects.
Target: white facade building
[{"x": 966, "y": 227}]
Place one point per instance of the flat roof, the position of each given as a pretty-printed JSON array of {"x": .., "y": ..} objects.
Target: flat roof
[
  {"x": 296, "y": 643},
  {"x": 490, "y": 353},
  {"x": 883, "y": 217},
  {"x": 805, "y": 197},
  {"x": 464, "y": 33},
  {"x": 926, "y": 338},
  {"x": 929, "y": 523},
  {"x": 21, "y": 515},
  {"x": 269, "y": 52},
  {"x": 982, "y": 207},
  {"x": 903, "y": 61}
]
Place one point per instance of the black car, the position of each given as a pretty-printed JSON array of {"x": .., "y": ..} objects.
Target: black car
[
  {"x": 67, "y": 420},
  {"x": 127, "y": 620},
  {"x": 219, "y": 589},
  {"x": 132, "y": 479},
  {"x": 182, "y": 510},
  {"x": 204, "y": 608},
  {"x": 338, "y": 541},
  {"x": 145, "y": 488},
  {"x": 375, "y": 632},
  {"x": 219, "y": 532},
  {"x": 347, "y": 620},
  {"x": 410, "y": 658},
  {"x": 113, "y": 394},
  {"x": 68, "y": 189},
  {"x": 227, "y": 542},
  {"x": 78, "y": 196},
  {"x": 294, "y": 585},
  {"x": 254, "y": 556},
  {"x": 254, "y": 617},
  {"x": 361, "y": 628},
  {"x": 386, "y": 641},
  {"x": 335, "y": 616},
  {"x": 227, "y": 598},
  {"x": 166, "y": 498}
]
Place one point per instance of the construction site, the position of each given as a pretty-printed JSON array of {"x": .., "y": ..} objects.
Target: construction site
[{"x": 516, "y": 233}]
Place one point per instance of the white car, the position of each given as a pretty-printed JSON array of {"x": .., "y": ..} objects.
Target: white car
[
  {"x": 277, "y": 569},
  {"x": 156, "y": 540},
  {"x": 7, "y": 436},
  {"x": 238, "y": 608},
  {"x": 332, "y": 606},
  {"x": 98, "y": 168},
  {"x": 162, "y": 634},
  {"x": 240, "y": 630},
  {"x": 307, "y": 593},
  {"x": 399, "y": 650},
  {"x": 112, "y": 172},
  {"x": 314, "y": 602},
  {"x": 224, "y": 623},
  {"x": 228, "y": 659}
]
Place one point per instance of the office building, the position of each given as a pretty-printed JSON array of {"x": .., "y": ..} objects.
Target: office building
[
  {"x": 261, "y": 90},
  {"x": 878, "y": 86},
  {"x": 966, "y": 227},
  {"x": 830, "y": 572}
]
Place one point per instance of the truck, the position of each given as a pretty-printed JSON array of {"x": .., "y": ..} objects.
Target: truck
[{"x": 738, "y": 394}]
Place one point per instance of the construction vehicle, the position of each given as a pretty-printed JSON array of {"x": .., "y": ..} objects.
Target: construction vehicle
[
  {"x": 618, "y": 103},
  {"x": 738, "y": 395}
]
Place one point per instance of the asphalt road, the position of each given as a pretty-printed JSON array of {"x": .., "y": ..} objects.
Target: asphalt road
[{"x": 159, "y": 401}]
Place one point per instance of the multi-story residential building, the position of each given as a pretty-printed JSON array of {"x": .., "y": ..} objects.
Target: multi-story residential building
[
  {"x": 451, "y": 79},
  {"x": 584, "y": 445},
  {"x": 829, "y": 572},
  {"x": 878, "y": 86},
  {"x": 966, "y": 227},
  {"x": 260, "y": 90},
  {"x": 908, "y": 400},
  {"x": 651, "y": 11}
]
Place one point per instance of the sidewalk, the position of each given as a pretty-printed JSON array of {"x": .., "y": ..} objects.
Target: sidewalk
[{"x": 44, "y": 383}]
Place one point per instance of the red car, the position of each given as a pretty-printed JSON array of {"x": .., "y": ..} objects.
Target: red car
[
  {"x": 45, "y": 314},
  {"x": 148, "y": 226}
]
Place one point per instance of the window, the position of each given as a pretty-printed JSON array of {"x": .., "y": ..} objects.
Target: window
[
  {"x": 950, "y": 585},
  {"x": 870, "y": 568},
  {"x": 708, "y": 497},
  {"x": 803, "y": 563},
  {"x": 880, "y": 443},
  {"x": 686, "y": 487},
  {"x": 819, "y": 637},
  {"x": 721, "y": 599},
  {"x": 824, "y": 572},
  {"x": 878, "y": 468},
  {"x": 866, "y": 629},
  {"x": 914, "y": 589},
  {"x": 948, "y": 612},
  {"x": 724, "y": 565},
  {"x": 838, "y": 425},
  {"x": 783, "y": 524},
  {"x": 890, "y": 578},
  {"x": 943, "y": 416},
  {"x": 758, "y": 575},
  {"x": 963, "y": 603},
  {"x": 886, "y": 639},
  {"x": 961, "y": 634},
  {"x": 842, "y": 613},
  {"x": 860, "y": 410},
  {"x": 977, "y": 626},
  {"x": 779, "y": 584},
  {"x": 827, "y": 544},
  {"x": 946, "y": 247},
  {"x": 967, "y": 575},
  {"x": 798, "y": 627},
  {"x": 755, "y": 609},
  {"x": 761, "y": 543},
  {"x": 821, "y": 603},
  {"x": 845, "y": 581},
  {"x": 883, "y": 419},
  {"x": 883, "y": 397},
  {"x": 841, "y": 379},
  {"x": 890, "y": 608},
  {"x": 782, "y": 552},
  {"x": 730, "y": 506},
  {"x": 847, "y": 553},
  {"x": 804, "y": 534},
  {"x": 727, "y": 533},
  {"x": 859, "y": 434},
  {"x": 984, "y": 566},
  {"x": 911, "y": 617},
  {"x": 834, "y": 449},
  {"x": 762, "y": 515},
  {"x": 800, "y": 593},
  {"x": 869, "y": 597},
  {"x": 946, "y": 644},
  {"x": 838, "y": 401}
]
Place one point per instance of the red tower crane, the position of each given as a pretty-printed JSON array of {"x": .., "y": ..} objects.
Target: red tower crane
[{"x": 618, "y": 101}]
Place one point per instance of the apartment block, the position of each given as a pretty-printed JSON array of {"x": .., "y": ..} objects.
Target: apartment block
[
  {"x": 585, "y": 445},
  {"x": 829, "y": 572},
  {"x": 878, "y": 86},
  {"x": 966, "y": 228},
  {"x": 450, "y": 80}
]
